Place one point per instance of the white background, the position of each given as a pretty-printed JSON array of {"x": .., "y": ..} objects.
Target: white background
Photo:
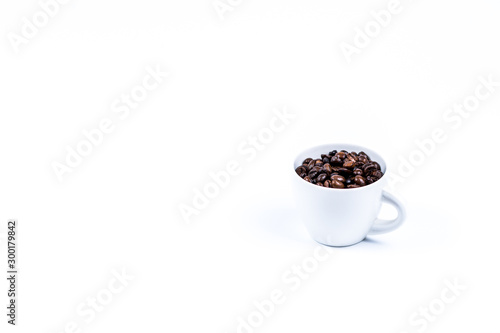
[{"x": 119, "y": 209}]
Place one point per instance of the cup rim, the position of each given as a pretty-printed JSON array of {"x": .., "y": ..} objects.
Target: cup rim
[{"x": 382, "y": 163}]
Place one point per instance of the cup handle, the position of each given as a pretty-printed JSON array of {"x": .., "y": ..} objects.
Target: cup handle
[{"x": 383, "y": 226}]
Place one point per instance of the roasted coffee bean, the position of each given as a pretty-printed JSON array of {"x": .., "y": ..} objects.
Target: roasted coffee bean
[
  {"x": 340, "y": 169},
  {"x": 345, "y": 171},
  {"x": 363, "y": 159},
  {"x": 300, "y": 169},
  {"x": 317, "y": 168},
  {"x": 313, "y": 173},
  {"x": 302, "y": 173},
  {"x": 369, "y": 167},
  {"x": 322, "y": 177},
  {"x": 328, "y": 168},
  {"x": 338, "y": 178},
  {"x": 359, "y": 180},
  {"x": 335, "y": 161},
  {"x": 341, "y": 154},
  {"x": 349, "y": 164},
  {"x": 359, "y": 164},
  {"x": 337, "y": 184},
  {"x": 352, "y": 157}
]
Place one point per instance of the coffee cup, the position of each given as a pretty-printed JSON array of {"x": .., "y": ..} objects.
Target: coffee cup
[{"x": 343, "y": 216}]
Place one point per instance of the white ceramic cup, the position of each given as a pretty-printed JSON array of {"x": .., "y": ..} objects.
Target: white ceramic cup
[{"x": 344, "y": 216}]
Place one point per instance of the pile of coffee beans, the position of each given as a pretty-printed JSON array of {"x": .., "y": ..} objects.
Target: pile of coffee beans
[{"x": 340, "y": 169}]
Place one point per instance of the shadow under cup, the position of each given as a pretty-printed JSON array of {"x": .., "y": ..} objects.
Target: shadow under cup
[{"x": 342, "y": 216}]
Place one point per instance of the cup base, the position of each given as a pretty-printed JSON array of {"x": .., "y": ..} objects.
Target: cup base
[{"x": 344, "y": 245}]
